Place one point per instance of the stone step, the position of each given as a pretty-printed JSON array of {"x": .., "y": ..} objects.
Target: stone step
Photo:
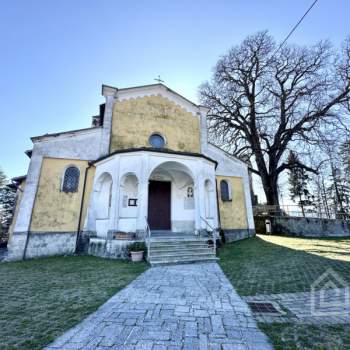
[
  {"x": 182, "y": 256},
  {"x": 176, "y": 245},
  {"x": 179, "y": 239},
  {"x": 158, "y": 251},
  {"x": 190, "y": 260},
  {"x": 179, "y": 248},
  {"x": 157, "y": 254},
  {"x": 176, "y": 239}
]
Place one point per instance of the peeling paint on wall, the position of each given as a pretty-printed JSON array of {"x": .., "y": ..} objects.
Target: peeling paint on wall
[
  {"x": 54, "y": 210},
  {"x": 233, "y": 213},
  {"x": 134, "y": 120}
]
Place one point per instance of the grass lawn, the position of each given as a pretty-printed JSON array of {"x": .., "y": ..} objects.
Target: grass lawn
[
  {"x": 42, "y": 298},
  {"x": 289, "y": 336},
  {"x": 275, "y": 264}
]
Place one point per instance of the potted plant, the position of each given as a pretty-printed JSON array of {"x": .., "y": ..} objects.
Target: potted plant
[{"x": 136, "y": 250}]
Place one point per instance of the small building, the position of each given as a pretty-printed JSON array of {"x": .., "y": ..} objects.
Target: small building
[{"x": 145, "y": 163}]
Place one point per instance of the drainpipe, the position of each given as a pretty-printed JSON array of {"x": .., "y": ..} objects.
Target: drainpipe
[
  {"x": 218, "y": 208},
  {"x": 81, "y": 209}
]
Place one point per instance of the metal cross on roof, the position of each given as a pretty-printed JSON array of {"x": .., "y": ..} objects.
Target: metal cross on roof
[{"x": 158, "y": 79}]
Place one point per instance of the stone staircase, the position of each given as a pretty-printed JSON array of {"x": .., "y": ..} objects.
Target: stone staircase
[{"x": 179, "y": 248}]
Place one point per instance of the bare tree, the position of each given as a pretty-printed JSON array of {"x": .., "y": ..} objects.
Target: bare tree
[{"x": 264, "y": 101}]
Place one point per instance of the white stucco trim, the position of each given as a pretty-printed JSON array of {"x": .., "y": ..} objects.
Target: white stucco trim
[
  {"x": 142, "y": 164},
  {"x": 231, "y": 166},
  {"x": 65, "y": 135},
  {"x": 153, "y": 90},
  {"x": 84, "y": 145}
]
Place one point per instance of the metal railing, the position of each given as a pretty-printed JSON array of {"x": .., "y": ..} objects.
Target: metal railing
[
  {"x": 297, "y": 211},
  {"x": 148, "y": 238},
  {"x": 213, "y": 232}
]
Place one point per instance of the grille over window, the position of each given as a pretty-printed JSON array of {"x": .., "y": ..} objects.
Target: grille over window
[
  {"x": 225, "y": 191},
  {"x": 71, "y": 179}
]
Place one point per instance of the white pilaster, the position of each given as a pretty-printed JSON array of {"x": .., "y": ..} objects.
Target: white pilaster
[
  {"x": 30, "y": 189},
  {"x": 203, "y": 128},
  {"x": 201, "y": 200},
  {"x": 111, "y": 96},
  {"x": 113, "y": 221},
  {"x": 143, "y": 193},
  {"x": 197, "y": 199}
]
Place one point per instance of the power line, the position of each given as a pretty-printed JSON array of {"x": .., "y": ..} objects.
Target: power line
[{"x": 295, "y": 27}]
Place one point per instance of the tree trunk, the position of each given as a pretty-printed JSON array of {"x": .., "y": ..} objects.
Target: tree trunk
[
  {"x": 271, "y": 191},
  {"x": 301, "y": 205},
  {"x": 325, "y": 200}
]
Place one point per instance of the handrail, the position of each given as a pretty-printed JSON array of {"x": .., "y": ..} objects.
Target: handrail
[
  {"x": 213, "y": 233},
  {"x": 148, "y": 230}
]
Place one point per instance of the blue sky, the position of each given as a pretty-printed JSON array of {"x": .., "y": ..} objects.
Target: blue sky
[{"x": 56, "y": 54}]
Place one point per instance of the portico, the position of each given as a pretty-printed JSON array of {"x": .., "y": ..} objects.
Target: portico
[{"x": 172, "y": 191}]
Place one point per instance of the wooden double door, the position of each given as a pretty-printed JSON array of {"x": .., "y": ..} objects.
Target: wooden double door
[{"x": 159, "y": 205}]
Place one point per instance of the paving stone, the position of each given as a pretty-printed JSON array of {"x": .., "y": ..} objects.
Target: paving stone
[{"x": 170, "y": 307}]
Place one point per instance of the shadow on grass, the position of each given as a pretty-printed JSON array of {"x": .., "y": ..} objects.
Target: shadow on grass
[{"x": 258, "y": 266}]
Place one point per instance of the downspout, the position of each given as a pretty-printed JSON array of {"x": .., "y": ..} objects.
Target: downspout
[
  {"x": 218, "y": 208},
  {"x": 81, "y": 209}
]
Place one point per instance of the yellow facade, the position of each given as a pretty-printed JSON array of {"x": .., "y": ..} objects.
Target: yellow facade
[
  {"x": 233, "y": 213},
  {"x": 134, "y": 120},
  {"x": 54, "y": 210}
]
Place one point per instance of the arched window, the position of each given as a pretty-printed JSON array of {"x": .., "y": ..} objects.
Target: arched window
[
  {"x": 71, "y": 179},
  {"x": 225, "y": 191}
]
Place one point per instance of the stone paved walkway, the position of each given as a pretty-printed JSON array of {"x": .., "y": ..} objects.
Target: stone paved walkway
[
  {"x": 330, "y": 306},
  {"x": 171, "y": 307}
]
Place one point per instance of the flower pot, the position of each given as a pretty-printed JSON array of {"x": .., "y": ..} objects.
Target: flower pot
[{"x": 136, "y": 256}]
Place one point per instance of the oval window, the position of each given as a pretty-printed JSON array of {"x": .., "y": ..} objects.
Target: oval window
[{"x": 157, "y": 141}]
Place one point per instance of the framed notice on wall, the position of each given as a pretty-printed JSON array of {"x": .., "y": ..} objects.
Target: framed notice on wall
[{"x": 132, "y": 202}]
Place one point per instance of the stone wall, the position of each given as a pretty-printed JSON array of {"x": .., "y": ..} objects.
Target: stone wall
[
  {"x": 109, "y": 248},
  {"x": 43, "y": 244},
  {"x": 237, "y": 234},
  {"x": 310, "y": 227}
]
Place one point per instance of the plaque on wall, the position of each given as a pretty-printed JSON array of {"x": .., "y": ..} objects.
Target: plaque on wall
[
  {"x": 132, "y": 202},
  {"x": 189, "y": 203}
]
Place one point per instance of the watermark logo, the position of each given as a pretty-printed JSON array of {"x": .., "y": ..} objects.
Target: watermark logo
[{"x": 330, "y": 295}]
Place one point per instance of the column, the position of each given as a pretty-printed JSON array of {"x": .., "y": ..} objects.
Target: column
[
  {"x": 143, "y": 195},
  {"x": 114, "y": 217}
]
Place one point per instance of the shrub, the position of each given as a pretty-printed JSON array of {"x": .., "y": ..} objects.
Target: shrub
[{"x": 137, "y": 246}]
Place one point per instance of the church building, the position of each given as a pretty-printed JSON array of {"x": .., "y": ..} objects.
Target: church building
[{"x": 143, "y": 169}]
